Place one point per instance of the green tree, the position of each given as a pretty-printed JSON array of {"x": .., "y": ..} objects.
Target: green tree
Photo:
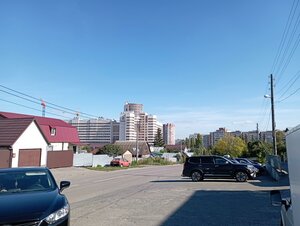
[
  {"x": 111, "y": 149},
  {"x": 192, "y": 142},
  {"x": 199, "y": 149},
  {"x": 199, "y": 141},
  {"x": 281, "y": 145},
  {"x": 230, "y": 145},
  {"x": 187, "y": 142},
  {"x": 258, "y": 149},
  {"x": 158, "y": 140}
]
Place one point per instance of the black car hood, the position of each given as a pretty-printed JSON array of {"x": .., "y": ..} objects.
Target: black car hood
[{"x": 29, "y": 206}]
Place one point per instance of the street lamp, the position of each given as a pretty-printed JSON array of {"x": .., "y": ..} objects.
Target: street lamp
[{"x": 273, "y": 115}]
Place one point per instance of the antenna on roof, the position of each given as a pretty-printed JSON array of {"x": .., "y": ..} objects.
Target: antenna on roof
[{"x": 43, "y": 107}]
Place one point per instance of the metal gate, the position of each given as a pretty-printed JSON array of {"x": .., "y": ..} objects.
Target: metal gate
[
  {"x": 5, "y": 158},
  {"x": 29, "y": 157}
]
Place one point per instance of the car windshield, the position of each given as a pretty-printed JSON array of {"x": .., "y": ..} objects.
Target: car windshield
[{"x": 25, "y": 181}]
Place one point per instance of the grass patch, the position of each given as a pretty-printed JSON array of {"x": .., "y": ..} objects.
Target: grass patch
[
  {"x": 142, "y": 162},
  {"x": 152, "y": 161}
]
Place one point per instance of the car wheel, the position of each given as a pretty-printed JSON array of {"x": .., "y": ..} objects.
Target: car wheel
[
  {"x": 241, "y": 176},
  {"x": 197, "y": 176},
  {"x": 121, "y": 165}
]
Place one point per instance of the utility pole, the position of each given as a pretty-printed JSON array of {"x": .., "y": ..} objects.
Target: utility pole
[{"x": 273, "y": 117}]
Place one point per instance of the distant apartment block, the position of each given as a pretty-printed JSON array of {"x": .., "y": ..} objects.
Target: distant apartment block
[
  {"x": 135, "y": 122},
  {"x": 169, "y": 133},
  {"x": 96, "y": 131},
  {"x": 193, "y": 136},
  {"x": 266, "y": 136},
  {"x": 217, "y": 135},
  {"x": 250, "y": 136},
  {"x": 236, "y": 133},
  {"x": 127, "y": 129},
  {"x": 206, "y": 141}
]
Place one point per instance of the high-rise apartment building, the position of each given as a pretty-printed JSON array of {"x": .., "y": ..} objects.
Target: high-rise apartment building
[
  {"x": 127, "y": 130},
  {"x": 206, "y": 141},
  {"x": 134, "y": 120},
  {"x": 250, "y": 136},
  {"x": 136, "y": 108},
  {"x": 96, "y": 131},
  {"x": 266, "y": 136},
  {"x": 169, "y": 133},
  {"x": 217, "y": 135}
]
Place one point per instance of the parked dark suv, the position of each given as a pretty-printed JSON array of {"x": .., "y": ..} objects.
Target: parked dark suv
[{"x": 200, "y": 167}]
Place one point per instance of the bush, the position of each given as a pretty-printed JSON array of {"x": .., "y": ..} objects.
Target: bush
[{"x": 152, "y": 161}]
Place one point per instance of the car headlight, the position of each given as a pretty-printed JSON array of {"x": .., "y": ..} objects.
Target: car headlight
[
  {"x": 54, "y": 217},
  {"x": 250, "y": 167}
]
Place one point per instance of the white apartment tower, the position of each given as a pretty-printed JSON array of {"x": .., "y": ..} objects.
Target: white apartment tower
[
  {"x": 134, "y": 120},
  {"x": 152, "y": 128},
  {"x": 169, "y": 133},
  {"x": 127, "y": 126}
]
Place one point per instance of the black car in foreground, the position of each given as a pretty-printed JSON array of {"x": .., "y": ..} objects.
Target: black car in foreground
[
  {"x": 200, "y": 167},
  {"x": 31, "y": 197}
]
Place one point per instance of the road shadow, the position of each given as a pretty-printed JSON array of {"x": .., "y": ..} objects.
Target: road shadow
[
  {"x": 268, "y": 181},
  {"x": 190, "y": 180},
  {"x": 172, "y": 181},
  {"x": 226, "y": 208}
]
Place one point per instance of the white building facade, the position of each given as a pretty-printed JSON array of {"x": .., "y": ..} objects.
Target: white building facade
[
  {"x": 96, "y": 131},
  {"x": 169, "y": 133},
  {"x": 135, "y": 122}
]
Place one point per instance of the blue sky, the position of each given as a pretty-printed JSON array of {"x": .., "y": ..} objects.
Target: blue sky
[{"x": 199, "y": 64}]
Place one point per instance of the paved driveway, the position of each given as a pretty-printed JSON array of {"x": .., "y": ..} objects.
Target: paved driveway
[{"x": 159, "y": 196}]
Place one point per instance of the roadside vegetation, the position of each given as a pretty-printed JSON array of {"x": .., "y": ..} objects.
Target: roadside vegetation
[
  {"x": 151, "y": 161},
  {"x": 141, "y": 163},
  {"x": 238, "y": 147},
  {"x": 107, "y": 168}
]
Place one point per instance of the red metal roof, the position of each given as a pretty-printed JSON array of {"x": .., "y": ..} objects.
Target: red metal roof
[
  {"x": 64, "y": 131},
  {"x": 11, "y": 130}
]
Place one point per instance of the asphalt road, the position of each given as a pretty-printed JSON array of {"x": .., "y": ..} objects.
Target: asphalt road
[{"x": 160, "y": 196}]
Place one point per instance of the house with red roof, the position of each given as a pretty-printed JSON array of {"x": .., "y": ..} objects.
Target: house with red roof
[
  {"x": 22, "y": 143},
  {"x": 62, "y": 138}
]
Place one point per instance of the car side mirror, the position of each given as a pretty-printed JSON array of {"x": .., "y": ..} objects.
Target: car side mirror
[{"x": 64, "y": 184}]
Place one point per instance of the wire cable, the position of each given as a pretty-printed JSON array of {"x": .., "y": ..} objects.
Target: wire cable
[
  {"x": 32, "y": 108},
  {"x": 284, "y": 36},
  {"x": 68, "y": 110},
  {"x": 292, "y": 82},
  {"x": 35, "y": 102},
  {"x": 289, "y": 95}
]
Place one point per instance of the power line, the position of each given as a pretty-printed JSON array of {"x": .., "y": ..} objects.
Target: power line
[
  {"x": 295, "y": 78},
  {"x": 56, "y": 107},
  {"x": 291, "y": 82},
  {"x": 35, "y": 102},
  {"x": 289, "y": 95},
  {"x": 284, "y": 35},
  {"x": 287, "y": 46},
  {"x": 31, "y": 108},
  {"x": 287, "y": 62}
]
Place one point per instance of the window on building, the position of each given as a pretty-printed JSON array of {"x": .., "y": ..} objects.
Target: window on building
[{"x": 53, "y": 131}]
